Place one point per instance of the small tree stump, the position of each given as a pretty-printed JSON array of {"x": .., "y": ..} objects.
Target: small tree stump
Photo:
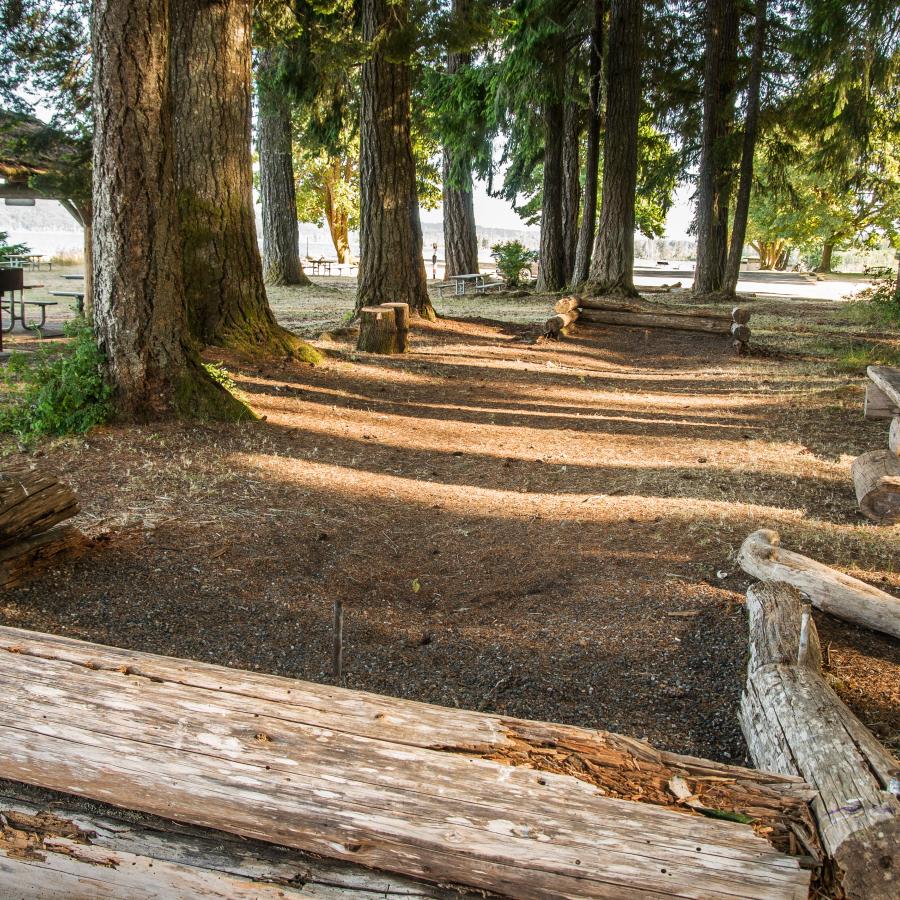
[
  {"x": 876, "y": 477},
  {"x": 401, "y": 319},
  {"x": 377, "y": 330}
]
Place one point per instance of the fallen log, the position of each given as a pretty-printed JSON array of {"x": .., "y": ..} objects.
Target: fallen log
[
  {"x": 709, "y": 325},
  {"x": 24, "y": 560},
  {"x": 555, "y": 324},
  {"x": 831, "y": 591},
  {"x": 876, "y": 478},
  {"x": 377, "y": 330},
  {"x": 795, "y": 723},
  {"x": 32, "y": 502},
  {"x": 566, "y": 304},
  {"x": 636, "y": 306}
]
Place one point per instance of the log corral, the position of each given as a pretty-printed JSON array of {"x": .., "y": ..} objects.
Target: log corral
[
  {"x": 33, "y": 505},
  {"x": 511, "y": 807},
  {"x": 762, "y": 556},
  {"x": 644, "y": 314},
  {"x": 794, "y": 723}
]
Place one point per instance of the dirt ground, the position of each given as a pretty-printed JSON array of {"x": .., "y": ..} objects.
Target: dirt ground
[{"x": 545, "y": 529}]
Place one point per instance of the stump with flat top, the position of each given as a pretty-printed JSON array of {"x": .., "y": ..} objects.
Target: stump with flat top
[
  {"x": 378, "y": 330},
  {"x": 876, "y": 478},
  {"x": 401, "y": 319}
]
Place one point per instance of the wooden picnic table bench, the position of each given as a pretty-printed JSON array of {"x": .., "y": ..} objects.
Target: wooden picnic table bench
[{"x": 77, "y": 295}]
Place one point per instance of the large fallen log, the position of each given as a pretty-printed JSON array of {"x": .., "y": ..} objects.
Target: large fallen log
[
  {"x": 565, "y": 304},
  {"x": 556, "y": 324},
  {"x": 605, "y": 304},
  {"x": 22, "y": 561},
  {"x": 523, "y": 809},
  {"x": 678, "y": 322},
  {"x": 32, "y": 502},
  {"x": 831, "y": 591},
  {"x": 876, "y": 479},
  {"x": 795, "y": 723}
]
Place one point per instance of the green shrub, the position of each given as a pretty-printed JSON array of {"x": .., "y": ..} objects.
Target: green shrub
[
  {"x": 883, "y": 298},
  {"x": 513, "y": 261},
  {"x": 59, "y": 390},
  {"x": 11, "y": 249}
]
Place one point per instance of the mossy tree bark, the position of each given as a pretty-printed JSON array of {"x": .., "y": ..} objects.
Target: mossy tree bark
[
  {"x": 226, "y": 296},
  {"x": 137, "y": 266},
  {"x": 612, "y": 268},
  {"x": 278, "y": 193},
  {"x": 719, "y": 75},
  {"x": 588, "y": 224},
  {"x": 460, "y": 238},
  {"x": 391, "y": 265}
]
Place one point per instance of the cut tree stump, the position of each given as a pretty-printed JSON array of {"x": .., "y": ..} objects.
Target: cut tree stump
[
  {"x": 876, "y": 478},
  {"x": 31, "y": 502},
  {"x": 741, "y": 315},
  {"x": 831, "y": 591},
  {"x": 566, "y": 304},
  {"x": 795, "y": 723},
  {"x": 377, "y": 330},
  {"x": 401, "y": 320},
  {"x": 522, "y": 809},
  {"x": 558, "y": 323}
]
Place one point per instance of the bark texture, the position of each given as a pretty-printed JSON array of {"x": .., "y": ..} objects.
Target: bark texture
[
  {"x": 138, "y": 296},
  {"x": 277, "y": 190},
  {"x": 339, "y": 172},
  {"x": 588, "y": 225},
  {"x": 552, "y": 274},
  {"x": 391, "y": 266},
  {"x": 612, "y": 269},
  {"x": 571, "y": 183},
  {"x": 712, "y": 184},
  {"x": 139, "y": 313},
  {"x": 751, "y": 127},
  {"x": 460, "y": 238},
  {"x": 825, "y": 263},
  {"x": 226, "y": 297}
]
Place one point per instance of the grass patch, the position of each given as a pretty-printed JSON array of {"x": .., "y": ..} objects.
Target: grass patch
[{"x": 855, "y": 359}]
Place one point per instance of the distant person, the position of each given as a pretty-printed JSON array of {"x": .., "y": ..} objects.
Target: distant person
[{"x": 434, "y": 262}]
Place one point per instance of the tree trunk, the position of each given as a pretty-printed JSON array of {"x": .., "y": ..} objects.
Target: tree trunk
[
  {"x": 225, "y": 295},
  {"x": 751, "y": 123},
  {"x": 460, "y": 238},
  {"x": 552, "y": 253},
  {"x": 612, "y": 269},
  {"x": 592, "y": 152},
  {"x": 138, "y": 290},
  {"x": 391, "y": 266},
  {"x": 825, "y": 263},
  {"x": 571, "y": 182},
  {"x": 335, "y": 214},
  {"x": 277, "y": 190},
  {"x": 88, "y": 216},
  {"x": 712, "y": 183}
]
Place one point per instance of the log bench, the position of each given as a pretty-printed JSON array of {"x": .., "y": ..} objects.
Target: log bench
[
  {"x": 520, "y": 809},
  {"x": 876, "y": 474}
]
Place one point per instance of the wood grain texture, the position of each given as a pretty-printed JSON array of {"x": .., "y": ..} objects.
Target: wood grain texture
[
  {"x": 876, "y": 479},
  {"x": 31, "y": 502},
  {"x": 796, "y": 724},
  {"x": 762, "y": 556},
  {"x": 384, "y": 783}
]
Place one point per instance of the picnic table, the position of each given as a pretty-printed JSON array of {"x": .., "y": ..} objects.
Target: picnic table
[
  {"x": 460, "y": 282},
  {"x": 320, "y": 266},
  {"x": 33, "y": 260},
  {"x": 73, "y": 277},
  {"x": 77, "y": 295},
  {"x": 11, "y": 282}
]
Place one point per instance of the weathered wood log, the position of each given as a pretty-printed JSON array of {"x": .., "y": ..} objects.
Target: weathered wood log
[
  {"x": 887, "y": 380},
  {"x": 401, "y": 320},
  {"x": 831, "y": 591},
  {"x": 876, "y": 478},
  {"x": 606, "y": 304},
  {"x": 741, "y": 315},
  {"x": 22, "y": 561},
  {"x": 555, "y": 324},
  {"x": 523, "y": 809},
  {"x": 566, "y": 304},
  {"x": 377, "y": 330},
  {"x": 657, "y": 320},
  {"x": 795, "y": 723},
  {"x": 878, "y": 405},
  {"x": 32, "y": 502},
  {"x": 894, "y": 436},
  {"x": 740, "y": 332}
]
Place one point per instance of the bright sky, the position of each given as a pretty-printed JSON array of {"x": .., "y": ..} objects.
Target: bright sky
[{"x": 494, "y": 213}]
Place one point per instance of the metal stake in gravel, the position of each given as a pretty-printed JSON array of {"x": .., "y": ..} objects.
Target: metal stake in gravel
[{"x": 337, "y": 647}]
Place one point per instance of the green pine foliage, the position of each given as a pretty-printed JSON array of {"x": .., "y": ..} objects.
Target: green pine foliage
[
  {"x": 59, "y": 391},
  {"x": 513, "y": 261},
  {"x": 7, "y": 249}
]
